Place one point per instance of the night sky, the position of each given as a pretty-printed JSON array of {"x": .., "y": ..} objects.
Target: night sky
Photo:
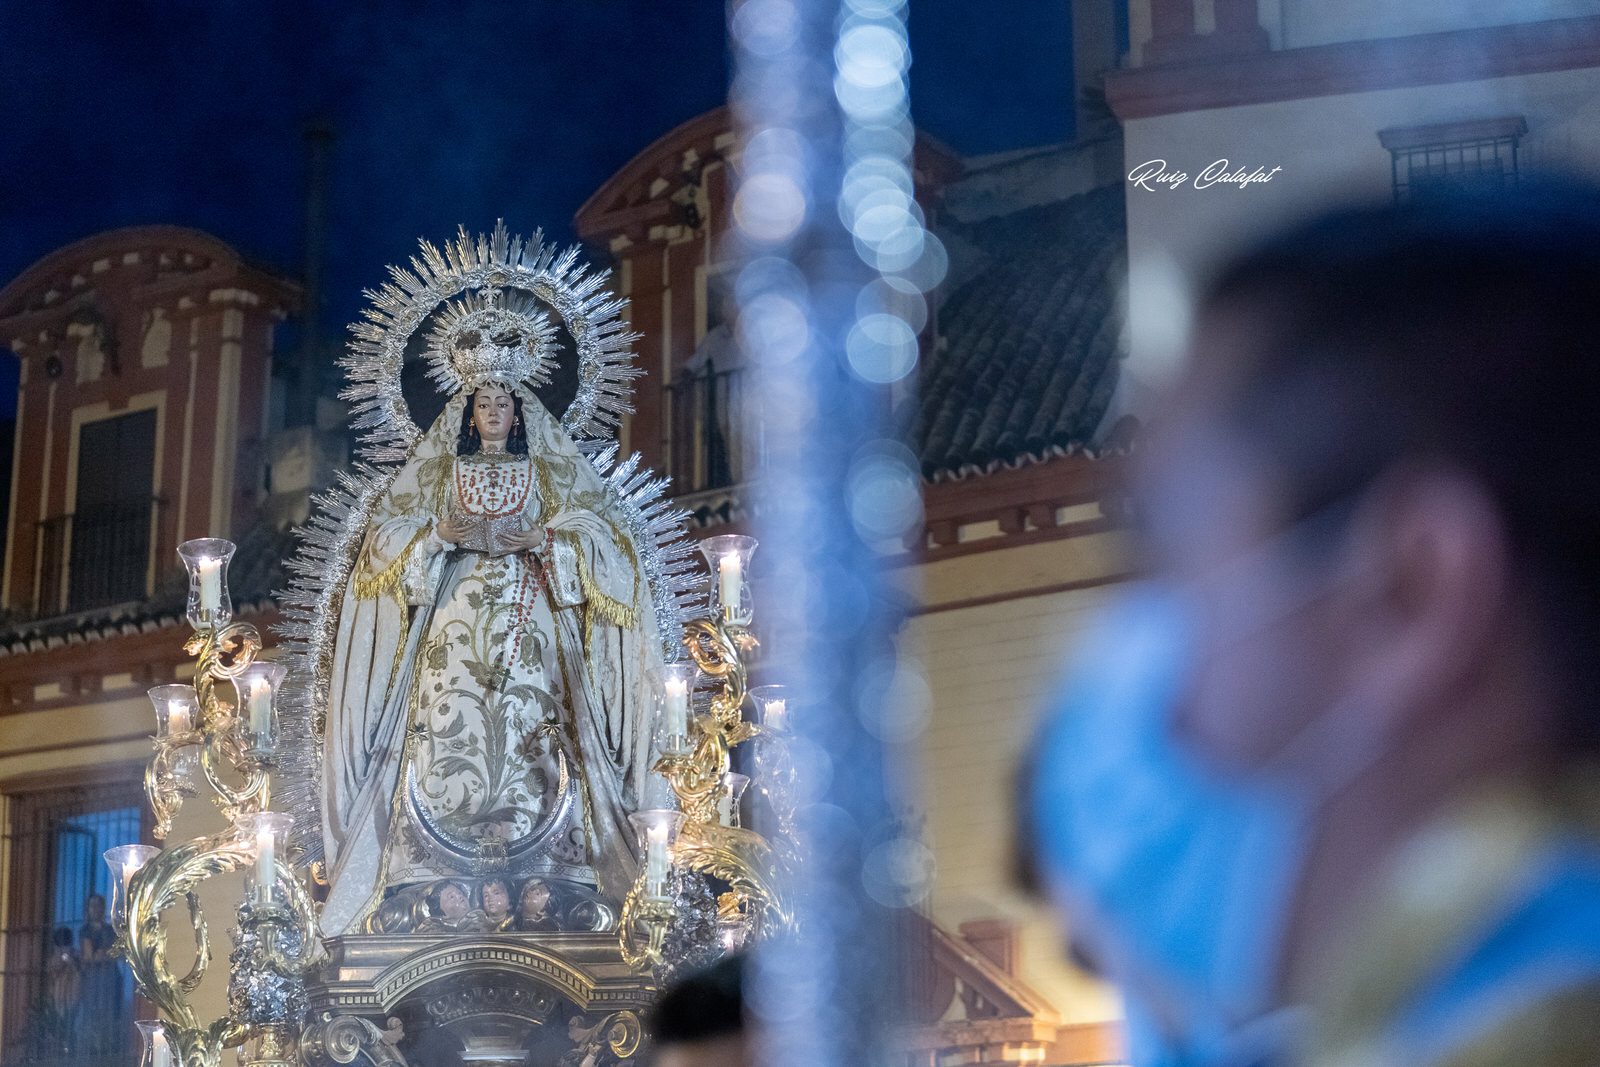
[{"x": 126, "y": 112}]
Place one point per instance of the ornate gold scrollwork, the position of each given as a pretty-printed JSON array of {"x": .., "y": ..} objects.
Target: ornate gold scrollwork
[
  {"x": 286, "y": 931},
  {"x": 739, "y": 857},
  {"x": 222, "y": 656},
  {"x": 718, "y": 650},
  {"x": 176, "y": 872},
  {"x": 642, "y": 929},
  {"x": 624, "y": 1034},
  {"x": 343, "y": 1038}
]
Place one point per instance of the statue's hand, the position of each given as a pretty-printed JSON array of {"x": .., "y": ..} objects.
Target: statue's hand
[
  {"x": 526, "y": 540},
  {"x": 450, "y": 531}
]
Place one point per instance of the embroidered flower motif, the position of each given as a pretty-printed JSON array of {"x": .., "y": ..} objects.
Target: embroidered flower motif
[{"x": 531, "y": 748}]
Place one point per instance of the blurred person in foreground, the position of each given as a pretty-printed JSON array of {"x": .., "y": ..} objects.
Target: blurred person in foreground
[
  {"x": 699, "y": 1021},
  {"x": 1323, "y": 788}
]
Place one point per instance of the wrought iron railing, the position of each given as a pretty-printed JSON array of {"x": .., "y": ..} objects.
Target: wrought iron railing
[
  {"x": 59, "y": 1006},
  {"x": 1480, "y": 156},
  {"x": 94, "y": 558},
  {"x": 705, "y": 449}
]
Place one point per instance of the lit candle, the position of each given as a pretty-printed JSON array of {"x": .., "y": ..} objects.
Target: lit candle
[
  {"x": 210, "y": 584},
  {"x": 677, "y": 707},
  {"x": 160, "y": 1051},
  {"x": 266, "y": 865},
  {"x": 177, "y": 718},
  {"x": 655, "y": 861},
  {"x": 776, "y": 709},
  {"x": 730, "y": 576},
  {"x": 129, "y": 869},
  {"x": 725, "y": 809},
  {"x": 260, "y": 701}
]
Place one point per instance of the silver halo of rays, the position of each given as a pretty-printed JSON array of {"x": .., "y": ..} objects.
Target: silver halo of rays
[{"x": 491, "y": 270}]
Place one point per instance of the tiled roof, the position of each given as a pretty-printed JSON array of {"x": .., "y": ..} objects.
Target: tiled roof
[{"x": 1029, "y": 344}]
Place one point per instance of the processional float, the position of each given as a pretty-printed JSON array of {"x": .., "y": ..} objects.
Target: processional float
[{"x": 473, "y": 936}]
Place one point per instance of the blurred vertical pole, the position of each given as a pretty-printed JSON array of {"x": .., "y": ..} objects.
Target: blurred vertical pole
[
  {"x": 831, "y": 243},
  {"x": 305, "y": 380}
]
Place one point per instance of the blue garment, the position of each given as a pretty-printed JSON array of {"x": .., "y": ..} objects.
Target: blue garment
[
  {"x": 1177, "y": 881},
  {"x": 1542, "y": 940}
]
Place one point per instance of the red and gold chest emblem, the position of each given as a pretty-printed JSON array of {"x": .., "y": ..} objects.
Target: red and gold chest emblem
[{"x": 494, "y": 487}]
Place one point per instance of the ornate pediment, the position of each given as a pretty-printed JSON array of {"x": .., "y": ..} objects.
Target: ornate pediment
[
  {"x": 394, "y": 1000},
  {"x": 972, "y": 1008}
]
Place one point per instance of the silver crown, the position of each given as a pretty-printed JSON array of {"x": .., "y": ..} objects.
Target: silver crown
[{"x": 493, "y": 337}]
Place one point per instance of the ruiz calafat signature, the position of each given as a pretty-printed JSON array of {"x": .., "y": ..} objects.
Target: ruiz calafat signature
[{"x": 1155, "y": 176}]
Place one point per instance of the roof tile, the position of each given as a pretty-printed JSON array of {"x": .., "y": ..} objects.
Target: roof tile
[{"x": 1029, "y": 346}]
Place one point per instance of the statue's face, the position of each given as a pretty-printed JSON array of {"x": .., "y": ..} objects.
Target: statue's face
[
  {"x": 535, "y": 900},
  {"x": 452, "y": 902},
  {"x": 493, "y": 412},
  {"x": 95, "y": 907},
  {"x": 496, "y": 899}
]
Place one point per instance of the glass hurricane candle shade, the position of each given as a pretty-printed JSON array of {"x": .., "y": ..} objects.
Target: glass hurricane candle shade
[
  {"x": 658, "y": 831},
  {"x": 257, "y": 713},
  {"x": 728, "y": 556},
  {"x": 177, "y": 711},
  {"x": 676, "y": 701},
  {"x": 125, "y": 861},
  {"x": 156, "y": 1051},
  {"x": 209, "y": 605},
  {"x": 268, "y": 833},
  {"x": 772, "y": 707},
  {"x": 178, "y": 722},
  {"x": 733, "y": 786}
]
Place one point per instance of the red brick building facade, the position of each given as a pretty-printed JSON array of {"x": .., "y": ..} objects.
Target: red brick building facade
[{"x": 159, "y": 320}]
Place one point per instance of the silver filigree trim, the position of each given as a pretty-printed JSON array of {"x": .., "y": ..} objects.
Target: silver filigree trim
[{"x": 486, "y": 267}]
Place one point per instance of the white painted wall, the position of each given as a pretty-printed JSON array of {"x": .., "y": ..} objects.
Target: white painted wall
[
  {"x": 1328, "y": 149},
  {"x": 1301, "y": 23},
  {"x": 1312, "y": 22},
  {"x": 990, "y": 670}
]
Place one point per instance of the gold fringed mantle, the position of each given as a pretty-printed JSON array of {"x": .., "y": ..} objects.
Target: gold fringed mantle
[
  {"x": 390, "y": 580},
  {"x": 597, "y": 605}
]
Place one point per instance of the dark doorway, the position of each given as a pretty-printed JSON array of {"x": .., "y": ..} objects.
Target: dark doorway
[{"x": 111, "y": 521}]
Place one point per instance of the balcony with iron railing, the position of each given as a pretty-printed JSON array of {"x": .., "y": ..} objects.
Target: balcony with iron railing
[
  {"x": 709, "y": 425},
  {"x": 96, "y": 558}
]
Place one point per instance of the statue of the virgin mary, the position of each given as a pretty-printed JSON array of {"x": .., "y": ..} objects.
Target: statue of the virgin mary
[{"x": 486, "y": 668}]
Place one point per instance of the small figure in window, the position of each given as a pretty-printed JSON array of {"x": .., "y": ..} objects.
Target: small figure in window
[{"x": 100, "y": 1002}]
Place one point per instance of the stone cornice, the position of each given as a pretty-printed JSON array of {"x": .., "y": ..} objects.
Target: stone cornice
[
  {"x": 1355, "y": 67},
  {"x": 1038, "y": 502}
]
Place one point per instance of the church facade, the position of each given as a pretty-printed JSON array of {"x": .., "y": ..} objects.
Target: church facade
[{"x": 1320, "y": 101}]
